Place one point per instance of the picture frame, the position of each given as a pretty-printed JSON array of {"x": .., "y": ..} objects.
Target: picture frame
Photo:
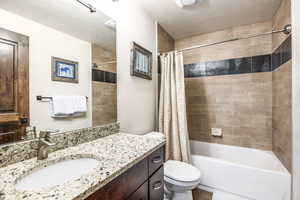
[
  {"x": 141, "y": 62},
  {"x": 64, "y": 70}
]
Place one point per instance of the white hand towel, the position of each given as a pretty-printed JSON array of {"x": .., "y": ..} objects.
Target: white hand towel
[
  {"x": 61, "y": 106},
  {"x": 80, "y": 105}
]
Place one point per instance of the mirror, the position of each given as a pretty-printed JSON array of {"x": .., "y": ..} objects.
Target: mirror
[{"x": 57, "y": 67}]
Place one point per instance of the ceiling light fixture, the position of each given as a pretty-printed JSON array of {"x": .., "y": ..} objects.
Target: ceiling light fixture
[{"x": 184, "y": 3}]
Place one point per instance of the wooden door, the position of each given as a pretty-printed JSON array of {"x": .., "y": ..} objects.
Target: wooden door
[{"x": 14, "y": 92}]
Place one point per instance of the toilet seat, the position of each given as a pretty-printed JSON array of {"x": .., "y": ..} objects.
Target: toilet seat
[
  {"x": 181, "y": 183},
  {"x": 180, "y": 179},
  {"x": 177, "y": 172}
]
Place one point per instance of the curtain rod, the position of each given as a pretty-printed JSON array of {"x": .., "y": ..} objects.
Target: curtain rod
[{"x": 287, "y": 30}]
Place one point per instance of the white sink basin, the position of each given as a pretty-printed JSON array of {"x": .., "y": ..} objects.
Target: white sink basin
[{"x": 57, "y": 174}]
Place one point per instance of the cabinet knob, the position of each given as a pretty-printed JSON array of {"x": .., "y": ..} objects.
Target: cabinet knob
[
  {"x": 157, "y": 159},
  {"x": 157, "y": 185}
]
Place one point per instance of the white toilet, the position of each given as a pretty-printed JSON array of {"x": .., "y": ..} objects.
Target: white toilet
[{"x": 180, "y": 179}]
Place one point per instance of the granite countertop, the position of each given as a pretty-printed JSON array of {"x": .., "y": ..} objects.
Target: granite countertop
[{"x": 116, "y": 153}]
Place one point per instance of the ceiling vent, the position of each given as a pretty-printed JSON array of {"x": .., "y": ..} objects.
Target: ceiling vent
[{"x": 184, "y": 3}]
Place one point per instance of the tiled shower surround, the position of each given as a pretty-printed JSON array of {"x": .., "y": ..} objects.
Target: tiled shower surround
[
  {"x": 243, "y": 87},
  {"x": 104, "y": 86},
  {"x": 254, "y": 64},
  {"x": 104, "y": 76},
  {"x": 165, "y": 41},
  {"x": 239, "y": 103},
  {"x": 232, "y": 89},
  {"x": 282, "y": 89}
]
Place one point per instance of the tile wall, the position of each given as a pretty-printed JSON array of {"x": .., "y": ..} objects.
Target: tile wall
[
  {"x": 243, "y": 87},
  {"x": 229, "y": 86},
  {"x": 237, "y": 49},
  {"x": 104, "y": 76},
  {"x": 104, "y": 103},
  {"x": 104, "y": 86},
  {"x": 282, "y": 87},
  {"x": 165, "y": 41}
]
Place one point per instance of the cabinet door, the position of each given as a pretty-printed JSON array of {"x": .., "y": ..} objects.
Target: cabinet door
[
  {"x": 124, "y": 185},
  {"x": 14, "y": 101},
  {"x": 141, "y": 193},
  {"x": 156, "y": 185}
]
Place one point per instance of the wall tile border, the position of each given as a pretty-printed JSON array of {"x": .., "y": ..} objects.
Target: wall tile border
[
  {"x": 282, "y": 54},
  {"x": 253, "y": 64},
  {"x": 104, "y": 76},
  {"x": 244, "y": 65}
]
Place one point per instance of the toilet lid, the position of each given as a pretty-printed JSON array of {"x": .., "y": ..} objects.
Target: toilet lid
[{"x": 181, "y": 171}]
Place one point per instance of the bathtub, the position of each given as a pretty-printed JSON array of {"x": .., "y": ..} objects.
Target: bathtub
[{"x": 249, "y": 173}]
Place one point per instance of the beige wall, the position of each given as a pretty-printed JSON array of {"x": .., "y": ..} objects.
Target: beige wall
[
  {"x": 136, "y": 96},
  {"x": 239, "y": 104},
  {"x": 44, "y": 43},
  {"x": 282, "y": 93},
  {"x": 237, "y": 49}
]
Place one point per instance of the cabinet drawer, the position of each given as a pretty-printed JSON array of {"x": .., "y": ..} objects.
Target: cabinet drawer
[
  {"x": 141, "y": 193},
  {"x": 156, "y": 185},
  {"x": 156, "y": 160},
  {"x": 126, "y": 184}
]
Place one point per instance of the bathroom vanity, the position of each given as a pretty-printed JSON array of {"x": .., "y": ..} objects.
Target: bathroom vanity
[
  {"x": 125, "y": 167},
  {"x": 143, "y": 181}
]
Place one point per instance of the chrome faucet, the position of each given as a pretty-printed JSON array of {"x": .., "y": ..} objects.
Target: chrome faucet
[{"x": 44, "y": 144}]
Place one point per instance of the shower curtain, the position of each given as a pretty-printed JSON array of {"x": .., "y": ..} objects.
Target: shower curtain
[{"x": 172, "y": 107}]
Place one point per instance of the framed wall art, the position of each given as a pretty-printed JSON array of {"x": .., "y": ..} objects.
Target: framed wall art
[
  {"x": 64, "y": 70},
  {"x": 141, "y": 62}
]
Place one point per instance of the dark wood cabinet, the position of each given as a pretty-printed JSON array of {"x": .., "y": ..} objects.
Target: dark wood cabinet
[
  {"x": 155, "y": 161},
  {"x": 156, "y": 185},
  {"x": 143, "y": 181},
  {"x": 141, "y": 194}
]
